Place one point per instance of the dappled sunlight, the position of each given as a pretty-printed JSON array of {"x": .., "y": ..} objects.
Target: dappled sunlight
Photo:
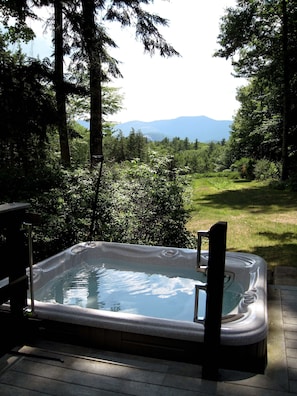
[{"x": 260, "y": 219}]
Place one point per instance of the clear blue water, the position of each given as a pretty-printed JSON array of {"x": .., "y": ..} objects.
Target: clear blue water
[{"x": 98, "y": 286}]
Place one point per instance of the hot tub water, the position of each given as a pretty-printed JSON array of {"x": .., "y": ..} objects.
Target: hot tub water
[{"x": 104, "y": 285}]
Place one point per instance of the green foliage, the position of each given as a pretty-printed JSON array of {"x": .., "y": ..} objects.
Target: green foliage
[
  {"x": 17, "y": 186},
  {"x": 137, "y": 203},
  {"x": 146, "y": 204},
  {"x": 27, "y": 112},
  {"x": 196, "y": 157},
  {"x": 265, "y": 170},
  {"x": 79, "y": 145},
  {"x": 245, "y": 167},
  {"x": 260, "y": 170},
  {"x": 78, "y": 104},
  {"x": 119, "y": 148},
  {"x": 256, "y": 130},
  {"x": 65, "y": 211},
  {"x": 260, "y": 38}
]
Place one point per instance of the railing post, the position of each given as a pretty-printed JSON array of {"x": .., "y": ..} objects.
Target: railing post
[{"x": 214, "y": 300}]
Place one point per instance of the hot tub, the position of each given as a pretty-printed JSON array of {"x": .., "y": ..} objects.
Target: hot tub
[{"x": 244, "y": 325}]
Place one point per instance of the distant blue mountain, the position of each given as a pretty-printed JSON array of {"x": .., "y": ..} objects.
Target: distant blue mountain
[{"x": 202, "y": 128}]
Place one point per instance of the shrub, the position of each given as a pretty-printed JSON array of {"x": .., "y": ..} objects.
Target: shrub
[
  {"x": 245, "y": 167},
  {"x": 146, "y": 204},
  {"x": 265, "y": 170},
  {"x": 137, "y": 203}
]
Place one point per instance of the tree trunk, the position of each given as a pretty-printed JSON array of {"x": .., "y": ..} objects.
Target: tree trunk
[
  {"x": 59, "y": 84},
  {"x": 286, "y": 95},
  {"x": 96, "y": 136},
  {"x": 93, "y": 47}
]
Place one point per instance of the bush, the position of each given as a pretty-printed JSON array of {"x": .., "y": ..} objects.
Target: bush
[
  {"x": 265, "y": 170},
  {"x": 137, "y": 203},
  {"x": 245, "y": 167},
  {"x": 144, "y": 204},
  {"x": 65, "y": 212}
]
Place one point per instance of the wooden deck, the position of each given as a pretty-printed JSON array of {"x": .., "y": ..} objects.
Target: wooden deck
[{"x": 50, "y": 368}]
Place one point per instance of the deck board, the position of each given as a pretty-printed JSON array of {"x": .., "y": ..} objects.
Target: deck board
[
  {"x": 88, "y": 376},
  {"x": 89, "y": 371}
]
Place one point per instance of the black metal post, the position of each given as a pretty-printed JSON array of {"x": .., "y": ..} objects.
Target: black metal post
[{"x": 214, "y": 300}]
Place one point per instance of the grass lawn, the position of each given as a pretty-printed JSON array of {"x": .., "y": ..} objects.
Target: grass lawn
[{"x": 261, "y": 220}]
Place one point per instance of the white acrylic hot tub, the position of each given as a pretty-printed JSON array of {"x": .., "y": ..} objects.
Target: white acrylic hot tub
[{"x": 243, "y": 331}]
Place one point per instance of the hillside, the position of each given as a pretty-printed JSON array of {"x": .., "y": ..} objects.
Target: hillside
[{"x": 202, "y": 128}]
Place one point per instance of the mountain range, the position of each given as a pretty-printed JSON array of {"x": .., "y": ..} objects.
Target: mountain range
[{"x": 202, "y": 128}]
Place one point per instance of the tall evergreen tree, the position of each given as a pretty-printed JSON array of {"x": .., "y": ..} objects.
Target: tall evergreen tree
[
  {"x": 95, "y": 40},
  {"x": 59, "y": 84},
  {"x": 260, "y": 37}
]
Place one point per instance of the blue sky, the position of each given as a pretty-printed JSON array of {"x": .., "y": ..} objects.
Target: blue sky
[{"x": 162, "y": 88}]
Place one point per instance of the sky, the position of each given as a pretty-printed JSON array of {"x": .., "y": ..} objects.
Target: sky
[{"x": 194, "y": 84}]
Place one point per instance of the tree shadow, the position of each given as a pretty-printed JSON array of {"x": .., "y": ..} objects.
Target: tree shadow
[
  {"x": 282, "y": 254},
  {"x": 258, "y": 200},
  {"x": 273, "y": 236}
]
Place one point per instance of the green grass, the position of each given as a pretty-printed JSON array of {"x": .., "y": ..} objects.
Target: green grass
[{"x": 261, "y": 220}]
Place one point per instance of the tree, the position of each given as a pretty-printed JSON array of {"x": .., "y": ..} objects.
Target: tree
[
  {"x": 94, "y": 48},
  {"x": 260, "y": 38},
  {"x": 59, "y": 84},
  {"x": 27, "y": 111},
  {"x": 286, "y": 90},
  {"x": 88, "y": 36},
  {"x": 95, "y": 40},
  {"x": 256, "y": 126},
  {"x": 21, "y": 11}
]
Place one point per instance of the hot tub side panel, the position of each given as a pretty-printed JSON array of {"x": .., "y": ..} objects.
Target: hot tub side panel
[{"x": 251, "y": 358}]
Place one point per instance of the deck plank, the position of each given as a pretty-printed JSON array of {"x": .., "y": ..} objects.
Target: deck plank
[
  {"x": 292, "y": 344},
  {"x": 88, "y": 371},
  {"x": 11, "y": 390},
  {"x": 47, "y": 385},
  {"x": 87, "y": 377}
]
